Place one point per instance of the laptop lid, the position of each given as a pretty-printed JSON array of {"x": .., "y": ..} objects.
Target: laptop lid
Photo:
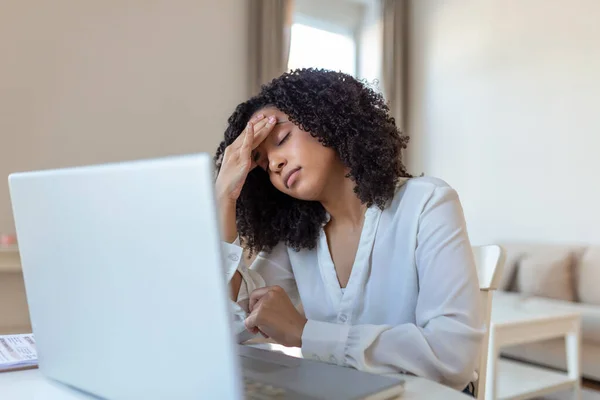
[{"x": 122, "y": 269}]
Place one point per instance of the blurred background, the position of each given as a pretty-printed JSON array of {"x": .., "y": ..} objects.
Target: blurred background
[{"x": 500, "y": 97}]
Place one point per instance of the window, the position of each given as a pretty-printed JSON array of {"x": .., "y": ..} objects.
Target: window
[{"x": 313, "y": 46}]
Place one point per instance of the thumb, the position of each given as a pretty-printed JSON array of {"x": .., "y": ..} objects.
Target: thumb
[{"x": 250, "y": 324}]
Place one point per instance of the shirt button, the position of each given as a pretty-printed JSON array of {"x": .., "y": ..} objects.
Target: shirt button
[
  {"x": 333, "y": 359},
  {"x": 234, "y": 257},
  {"x": 343, "y": 318}
]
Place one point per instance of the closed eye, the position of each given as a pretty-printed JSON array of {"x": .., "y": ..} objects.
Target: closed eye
[{"x": 284, "y": 139}]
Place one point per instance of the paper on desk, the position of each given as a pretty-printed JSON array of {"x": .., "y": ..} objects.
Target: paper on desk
[{"x": 17, "y": 351}]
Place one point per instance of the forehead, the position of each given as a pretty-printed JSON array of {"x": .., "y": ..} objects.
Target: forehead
[
  {"x": 262, "y": 151},
  {"x": 268, "y": 111},
  {"x": 282, "y": 122}
]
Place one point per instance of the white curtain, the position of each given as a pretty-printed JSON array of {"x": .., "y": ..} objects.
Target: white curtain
[
  {"x": 270, "y": 24},
  {"x": 395, "y": 52}
]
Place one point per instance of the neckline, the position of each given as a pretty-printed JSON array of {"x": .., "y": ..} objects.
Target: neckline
[{"x": 363, "y": 251}]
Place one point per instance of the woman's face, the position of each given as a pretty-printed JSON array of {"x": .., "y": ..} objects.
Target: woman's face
[{"x": 296, "y": 162}]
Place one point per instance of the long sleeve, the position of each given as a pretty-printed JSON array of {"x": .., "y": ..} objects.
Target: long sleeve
[
  {"x": 267, "y": 270},
  {"x": 444, "y": 343}
]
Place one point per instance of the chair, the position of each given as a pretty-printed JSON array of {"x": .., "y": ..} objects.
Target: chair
[{"x": 489, "y": 260}]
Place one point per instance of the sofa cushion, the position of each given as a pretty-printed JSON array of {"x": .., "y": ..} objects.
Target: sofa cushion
[
  {"x": 517, "y": 250},
  {"x": 513, "y": 254},
  {"x": 589, "y": 276},
  {"x": 548, "y": 274}
]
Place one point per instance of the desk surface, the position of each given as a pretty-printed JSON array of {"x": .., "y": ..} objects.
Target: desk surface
[{"x": 31, "y": 385}]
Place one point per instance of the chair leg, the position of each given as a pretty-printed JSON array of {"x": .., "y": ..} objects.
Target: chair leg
[{"x": 491, "y": 384}]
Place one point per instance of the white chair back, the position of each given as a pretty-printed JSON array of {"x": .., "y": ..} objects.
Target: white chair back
[{"x": 489, "y": 260}]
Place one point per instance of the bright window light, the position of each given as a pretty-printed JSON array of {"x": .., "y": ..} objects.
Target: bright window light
[{"x": 318, "y": 48}]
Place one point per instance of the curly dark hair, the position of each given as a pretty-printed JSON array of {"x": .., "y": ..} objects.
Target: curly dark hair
[{"x": 342, "y": 113}]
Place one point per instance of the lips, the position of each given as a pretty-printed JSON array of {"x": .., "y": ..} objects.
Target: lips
[{"x": 290, "y": 177}]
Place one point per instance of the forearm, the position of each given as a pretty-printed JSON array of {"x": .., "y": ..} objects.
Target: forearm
[
  {"x": 227, "y": 220},
  {"x": 406, "y": 348},
  {"x": 234, "y": 285}
]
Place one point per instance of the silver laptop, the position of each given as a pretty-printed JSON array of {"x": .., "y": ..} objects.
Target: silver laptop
[{"x": 127, "y": 297}]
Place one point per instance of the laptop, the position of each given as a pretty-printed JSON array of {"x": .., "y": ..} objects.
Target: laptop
[{"x": 127, "y": 297}]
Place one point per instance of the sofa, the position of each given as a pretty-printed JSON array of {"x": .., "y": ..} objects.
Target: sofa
[{"x": 564, "y": 277}]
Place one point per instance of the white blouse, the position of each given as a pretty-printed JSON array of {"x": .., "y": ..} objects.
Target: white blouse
[{"x": 411, "y": 304}]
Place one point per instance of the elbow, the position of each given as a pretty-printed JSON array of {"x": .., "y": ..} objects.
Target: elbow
[
  {"x": 462, "y": 363},
  {"x": 456, "y": 349},
  {"x": 462, "y": 373}
]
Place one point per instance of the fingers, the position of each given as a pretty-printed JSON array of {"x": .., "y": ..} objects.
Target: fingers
[
  {"x": 256, "y": 295},
  {"x": 246, "y": 149},
  {"x": 263, "y": 132},
  {"x": 251, "y": 323},
  {"x": 262, "y": 127},
  {"x": 259, "y": 121}
]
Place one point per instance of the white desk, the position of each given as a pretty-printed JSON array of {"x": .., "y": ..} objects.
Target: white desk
[
  {"x": 517, "y": 321},
  {"x": 31, "y": 385}
]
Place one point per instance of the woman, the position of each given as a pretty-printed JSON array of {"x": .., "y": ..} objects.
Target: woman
[{"x": 311, "y": 178}]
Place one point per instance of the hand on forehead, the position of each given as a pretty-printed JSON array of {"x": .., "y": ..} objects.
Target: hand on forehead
[
  {"x": 266, "y": 113},
  {"x": 271, "y": 111},
  {"x": 258, "y": 155}
]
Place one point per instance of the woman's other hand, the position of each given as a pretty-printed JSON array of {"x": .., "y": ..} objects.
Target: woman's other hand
[{"x": 273, "y": 314}]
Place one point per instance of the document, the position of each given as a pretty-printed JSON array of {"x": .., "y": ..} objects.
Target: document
[{"x": 17, "y": 351}]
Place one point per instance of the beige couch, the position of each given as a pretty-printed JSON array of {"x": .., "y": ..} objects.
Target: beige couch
[{"x": 565, "y": 277}]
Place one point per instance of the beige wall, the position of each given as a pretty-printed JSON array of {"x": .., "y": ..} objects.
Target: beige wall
[
  {"x": 505, "y": 105},
  {"x": 87, "y": 82}
]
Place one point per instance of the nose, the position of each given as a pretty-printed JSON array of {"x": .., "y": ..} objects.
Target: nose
[{"x": 277, "y": 163}]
